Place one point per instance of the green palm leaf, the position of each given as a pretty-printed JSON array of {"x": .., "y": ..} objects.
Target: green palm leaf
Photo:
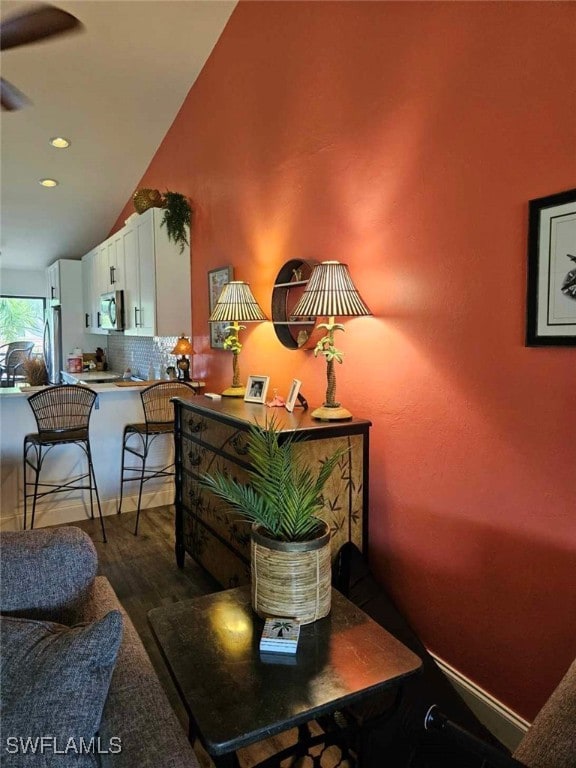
[{"x": 283, "y": 494}]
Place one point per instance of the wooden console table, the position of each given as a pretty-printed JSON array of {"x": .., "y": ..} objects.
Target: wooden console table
[{"x": 212, "y": 435}]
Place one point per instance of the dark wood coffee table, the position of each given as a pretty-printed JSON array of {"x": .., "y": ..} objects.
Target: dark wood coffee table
[{"x": 235, "y": 696}]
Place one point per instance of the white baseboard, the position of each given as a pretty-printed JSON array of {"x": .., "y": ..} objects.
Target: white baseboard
[
  {"x": 73, "y": 512},
  {"x": 500, "y": 720}
]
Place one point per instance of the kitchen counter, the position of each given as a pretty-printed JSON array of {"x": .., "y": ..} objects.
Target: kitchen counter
[
  {"x": 91, "y": 377},
  {"x": 114, "y": 386},
  {"x": 25, "y": 391}
]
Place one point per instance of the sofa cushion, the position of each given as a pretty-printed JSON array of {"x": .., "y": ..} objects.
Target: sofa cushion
[
  {"x": 55, "y": 681},
  {"x": 551, "y": 739},
  {"x": 46, "y": 573}
]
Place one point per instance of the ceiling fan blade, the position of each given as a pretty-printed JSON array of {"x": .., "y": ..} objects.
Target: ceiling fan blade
[
  {"x": 36, "y": 24},
  {"x": 10, "y": 97}
]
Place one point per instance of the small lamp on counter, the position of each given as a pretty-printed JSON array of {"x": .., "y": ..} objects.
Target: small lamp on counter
[{"x": 183, "y": 347}]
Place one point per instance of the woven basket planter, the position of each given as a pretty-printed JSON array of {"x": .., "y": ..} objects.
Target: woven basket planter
[
  {"x": 147, "y": 198},
  {"x": 291, "y": 579}
]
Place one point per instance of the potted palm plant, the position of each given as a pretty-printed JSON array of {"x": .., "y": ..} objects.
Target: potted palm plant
[{"x": 290, "y": 545}]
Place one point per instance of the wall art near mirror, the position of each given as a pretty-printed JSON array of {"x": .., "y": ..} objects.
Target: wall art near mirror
[{"x": 217, "y": 279}]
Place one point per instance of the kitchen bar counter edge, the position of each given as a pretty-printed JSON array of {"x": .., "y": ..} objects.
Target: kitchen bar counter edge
[{"x": 100, "y": 388}]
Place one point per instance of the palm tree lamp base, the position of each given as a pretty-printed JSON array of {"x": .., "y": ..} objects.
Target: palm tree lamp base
[
  {"x": 234, "y": 392},
  {"x": 331, "y": 413}
]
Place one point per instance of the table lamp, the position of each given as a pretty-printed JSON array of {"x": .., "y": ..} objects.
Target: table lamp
[
  {"x": 183, "y": 347},
  {"x": 236, "y": 304},
  {"x": 331, "y": 292}
]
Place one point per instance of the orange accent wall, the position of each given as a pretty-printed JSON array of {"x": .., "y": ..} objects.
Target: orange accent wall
[{"x": 406, "y": 139}]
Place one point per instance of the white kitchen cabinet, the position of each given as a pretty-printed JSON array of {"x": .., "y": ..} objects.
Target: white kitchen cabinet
[
  {"x": 157, "y": 293},
  {"x": 153, "y": 274},
  {"x": 65, "y": 282},
  {"x": 102, "y": 272},
  {"x": 88, "y": 292},
  {"x": 100, "y": 269},
  {"x": 139, "y": 310},
  {"x": 108, "y": 273},
  {"x": 115, "y": 262},
  {"x": 53, "y": 283}
]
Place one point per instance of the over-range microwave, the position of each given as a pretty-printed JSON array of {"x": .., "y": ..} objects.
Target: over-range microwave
[{"x": 111, "y": 314}]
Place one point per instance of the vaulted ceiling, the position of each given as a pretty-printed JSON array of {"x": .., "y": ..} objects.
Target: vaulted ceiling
[{"x": 113, "y": 89}]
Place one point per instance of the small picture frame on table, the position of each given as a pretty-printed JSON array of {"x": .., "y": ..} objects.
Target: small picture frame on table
[
  {"x": 256, "y": 389},
  {"x": 217, "y": 279},
  {"x": 293, "y": 394}
]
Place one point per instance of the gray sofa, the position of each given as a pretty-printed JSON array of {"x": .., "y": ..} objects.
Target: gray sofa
[{"x": 50, "y": 574}]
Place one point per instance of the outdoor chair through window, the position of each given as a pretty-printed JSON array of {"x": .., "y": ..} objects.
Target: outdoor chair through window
[{"x": 13, "y": 356}]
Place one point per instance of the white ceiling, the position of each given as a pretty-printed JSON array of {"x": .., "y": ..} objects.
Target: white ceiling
[{"x": 113, "y": 89}]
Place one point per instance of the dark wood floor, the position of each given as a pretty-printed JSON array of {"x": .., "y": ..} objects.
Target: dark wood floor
[{"x": 143, "y": 572}]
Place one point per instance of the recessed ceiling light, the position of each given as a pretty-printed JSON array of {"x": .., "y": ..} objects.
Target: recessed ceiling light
[
  {"x": 48, "y": 182},
  {"x": 60, "y": 142}
]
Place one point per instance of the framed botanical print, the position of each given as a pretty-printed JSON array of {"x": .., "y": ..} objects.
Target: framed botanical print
[
  {"x": 217, "y": 279},
  {"x": 551, "y": 296}
]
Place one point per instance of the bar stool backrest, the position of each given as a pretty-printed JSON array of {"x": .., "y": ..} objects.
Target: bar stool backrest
[
  {"x": 156, "y": 400},
  {"x": 62, "y": 408}
]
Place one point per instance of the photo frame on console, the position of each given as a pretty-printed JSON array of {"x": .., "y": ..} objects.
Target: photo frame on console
[
  {"x": 256, "y": 389},
  {"x": 217, "y": 279},
  {"x": 293, "y": 395},
  {"x": 551, "y": 295}
]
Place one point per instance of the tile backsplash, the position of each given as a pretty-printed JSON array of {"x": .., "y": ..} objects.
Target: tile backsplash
[{"x": 146, "y": 357}]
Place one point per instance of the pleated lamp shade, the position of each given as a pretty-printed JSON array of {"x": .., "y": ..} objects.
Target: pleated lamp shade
[
  {"x": 237, "y": 304},
  {"x": 330, "y": 292}
]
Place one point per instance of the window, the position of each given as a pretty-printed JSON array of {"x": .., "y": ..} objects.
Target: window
[{"x": 22, "y": 319}]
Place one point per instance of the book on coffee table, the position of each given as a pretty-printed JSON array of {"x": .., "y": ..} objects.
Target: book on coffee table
[{"x": 280, "y": 635}]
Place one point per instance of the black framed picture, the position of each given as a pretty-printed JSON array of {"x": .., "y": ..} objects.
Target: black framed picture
[
  {"x": 551, "y": 298},
  {"x": 217, "y": 279}
]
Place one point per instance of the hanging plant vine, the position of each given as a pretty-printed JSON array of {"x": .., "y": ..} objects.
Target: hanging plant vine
[{"x": 177, "y": 216}]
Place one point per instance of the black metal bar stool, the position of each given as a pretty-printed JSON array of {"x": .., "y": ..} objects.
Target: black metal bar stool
[
  {"x": 62, "y": 415},
  {"x": 159, "y": 420}
]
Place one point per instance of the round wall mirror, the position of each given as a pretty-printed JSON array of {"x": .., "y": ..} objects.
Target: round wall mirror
[{"x": 289, "y": 285}]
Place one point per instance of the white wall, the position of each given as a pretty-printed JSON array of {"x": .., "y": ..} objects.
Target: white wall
[{"x": 22, "y": 282}]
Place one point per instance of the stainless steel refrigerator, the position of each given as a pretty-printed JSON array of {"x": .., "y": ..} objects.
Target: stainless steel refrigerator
[
  {"x": 53, "y": 354},
  {"x": 64, "y": 321}
]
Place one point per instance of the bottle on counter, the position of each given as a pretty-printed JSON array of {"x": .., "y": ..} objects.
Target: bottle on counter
[
  {"x": 75, "y": 362},
  {"x": 100, "y": 359}
]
